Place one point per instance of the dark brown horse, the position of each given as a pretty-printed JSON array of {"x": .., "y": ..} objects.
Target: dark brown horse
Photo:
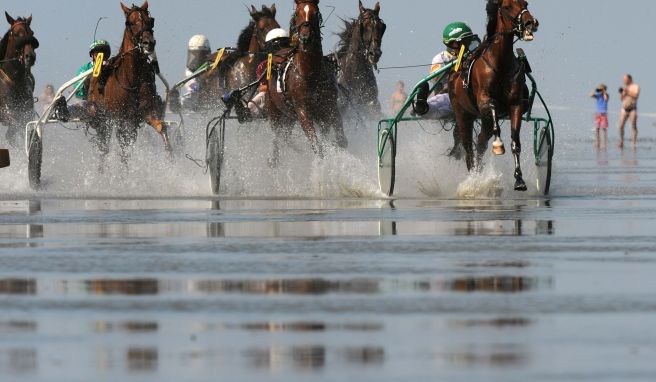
[
  {"x": 238, "y": 68},
  {"x": 17, "y": 49},
  {"x": 307, "y": 91},
  {"x": 497, "y": 87},
  {"x": 129, "y": 96},
  {"x": 359, "y": 52}
]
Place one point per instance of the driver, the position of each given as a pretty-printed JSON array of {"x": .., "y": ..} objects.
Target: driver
[
  {"x": 198, "y": 52},
  {"x": 276, "y": 40},
  {"x": 80, "y": 110},
  {"x": 438, "y": 106}
]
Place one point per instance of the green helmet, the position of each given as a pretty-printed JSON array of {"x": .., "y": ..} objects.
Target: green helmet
[
  {"x": 456, "y": 31},
  {"x": 99, "y": 46}
]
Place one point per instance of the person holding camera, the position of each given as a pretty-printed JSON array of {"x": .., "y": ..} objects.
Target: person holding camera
[
  {"x": 600, "y": 94},
  {"x": 629, "y": 95}
]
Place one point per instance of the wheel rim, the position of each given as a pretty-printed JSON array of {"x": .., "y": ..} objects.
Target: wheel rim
[
  {"x": 543, "y": 162},
  {"x": 215, "y": 161},
  {"x": 386, "y": 164}
]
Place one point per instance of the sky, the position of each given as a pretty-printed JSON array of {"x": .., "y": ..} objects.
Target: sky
[{"x": 580, "y": 42}]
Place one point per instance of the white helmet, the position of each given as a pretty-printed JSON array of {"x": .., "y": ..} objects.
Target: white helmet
[
  {"x": 275, "y": 34},
  {"x": 199, "y": 42}
]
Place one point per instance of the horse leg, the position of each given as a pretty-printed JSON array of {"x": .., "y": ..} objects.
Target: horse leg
[
  {"x": 308, "y": 129},
  {"x": 487, "y": 131},
  {"x": 489, "y": 110},
  {"x": 516, "y": 126},
  {"x": 103, "y": 136},
  {"x": 282, "y": 133},
  {"x": 126, "y": 133},
  {"x": 162, "y": 129},
  {"x": 465, "y": 126}
]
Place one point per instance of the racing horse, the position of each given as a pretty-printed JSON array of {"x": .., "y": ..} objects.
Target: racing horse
[
  {"x": 129, "y": 95},
  {"x": 17, "y": 48},
  {"x": 497, "y": 85},
  {"x": 358, "y": 55},
  {"x": 238, "y": 68},
  {"x": 302, "y": 88}
]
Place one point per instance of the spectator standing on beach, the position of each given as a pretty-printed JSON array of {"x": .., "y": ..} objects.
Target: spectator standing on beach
[{"x": 600, "y": 94}]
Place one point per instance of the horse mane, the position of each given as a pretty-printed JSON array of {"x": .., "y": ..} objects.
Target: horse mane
[
  {"x": 244, "y": 40},
  {"x": 345, "y": 36},
  {"x": 492, "y": 8},
  {"x": 3, "y": 44}
]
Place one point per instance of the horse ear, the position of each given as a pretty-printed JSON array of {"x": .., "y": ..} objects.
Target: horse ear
[
  {"x": 125, "y": 8},
  {"x": 253, "y": 10},
  {"x": 29, "y": 20},
  {"x": 362, "y": 8},
  {"x": 10, "y": 19},
  {"x": 145, "y": 5},
  {"x": 377, "y": 9},
  {"x": 273, "y": 9}
]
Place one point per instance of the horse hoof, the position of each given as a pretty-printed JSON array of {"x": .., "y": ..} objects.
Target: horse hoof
[
  {"x": 520, "y": 186},
  {"x": 498, "y": 149}
]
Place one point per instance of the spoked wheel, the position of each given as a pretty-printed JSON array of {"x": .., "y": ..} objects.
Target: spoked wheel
[
  {"x": 543, "y": 160},
  {"x": 34, "y": 159},
  {"x": 215, "y": 151},
  {"x": 386, "y": 162}
]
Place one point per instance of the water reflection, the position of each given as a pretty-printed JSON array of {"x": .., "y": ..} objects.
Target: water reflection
[
  {"x": 18, "y": 361},
  {"x": 501, "y": 357},
  {"x": 142, "y": 359},
  {"x": 126, "y": 327},
  {"x": 308, "y": 286},
  {"x": 9, "y": 327},
  {"x": 498, "y": 323},
  {"x": 312, "y": 357},
  {"x": 129, "y": 287},
  {"x": 367, "y": 356},
  {"x": 303, "y": 327},
  {"x": 18, "y": 286}
]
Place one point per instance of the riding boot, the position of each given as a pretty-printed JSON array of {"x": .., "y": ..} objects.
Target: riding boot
[{"x": 421, "y": 104}]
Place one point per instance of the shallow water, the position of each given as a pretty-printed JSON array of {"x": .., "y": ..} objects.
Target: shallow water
[{"x": 305, "y": 273}]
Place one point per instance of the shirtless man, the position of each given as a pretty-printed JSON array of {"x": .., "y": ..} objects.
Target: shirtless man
[
  {"x": 398, "y": 98},
  {"x": 629, "y": 95}
]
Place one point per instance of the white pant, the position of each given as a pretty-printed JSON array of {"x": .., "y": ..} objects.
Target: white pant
[{"x": 439, "y": 107}]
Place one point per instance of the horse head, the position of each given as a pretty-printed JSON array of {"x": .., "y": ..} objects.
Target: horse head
[
  {"x": 515, "y": 16},
  {"x": 306, "y": 23},
  {"x": 372, "y": 29},
  {"x": 139, "y": 26},
  {"x": 265, "y": 21},
  {"x": 21, "y": 43}
]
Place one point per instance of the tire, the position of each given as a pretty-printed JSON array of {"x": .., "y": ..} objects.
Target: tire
[
  {"x": 387, "y": 163},
  {"x": 34, "y": 160},
  {"x": 215, "y": 146},
  {"x": 543, "y": 161}
]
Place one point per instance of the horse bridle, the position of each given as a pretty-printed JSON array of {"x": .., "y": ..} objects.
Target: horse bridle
[
  {"x": 260, "y": 36},
  {"x": 375, "y": 20},
  {"x": 137, "y": 38},
  {"x": 22, "y": 41},
  {"x": 516, "y": 21},
  {"x": 295, "y": 28}
]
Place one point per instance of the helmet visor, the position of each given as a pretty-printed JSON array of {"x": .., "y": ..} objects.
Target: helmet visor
[{"x": 196, "y": 57}]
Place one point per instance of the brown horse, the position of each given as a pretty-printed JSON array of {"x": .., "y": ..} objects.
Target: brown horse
[
  {"x": 308, "y": 91},
  {"x": 129, "y": 96},
  {"x": 359, "y": 52},
  {"x": 238, "y": 68},
  {"x": 497, "y": 86},
  {"x": 17, "y": 48}
]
